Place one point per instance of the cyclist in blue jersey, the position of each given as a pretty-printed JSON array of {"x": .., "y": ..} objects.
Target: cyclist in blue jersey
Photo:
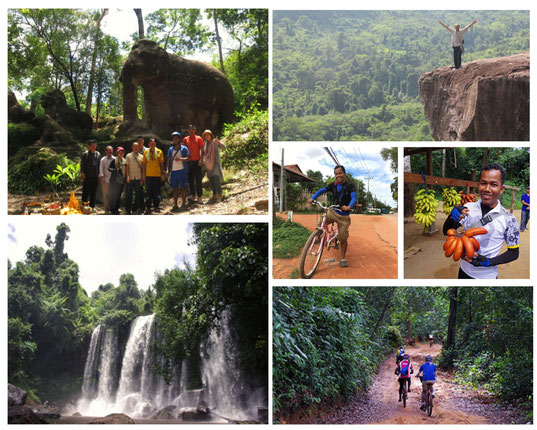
[
  {"x": 428, "y": 370},
  {"x": 344, "y": 195}
]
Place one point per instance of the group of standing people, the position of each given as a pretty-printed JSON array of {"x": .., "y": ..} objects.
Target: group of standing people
[{"x": 142, "y": 172}]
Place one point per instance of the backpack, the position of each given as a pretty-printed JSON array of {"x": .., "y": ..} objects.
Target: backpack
[{"x": 404, "y": 369}]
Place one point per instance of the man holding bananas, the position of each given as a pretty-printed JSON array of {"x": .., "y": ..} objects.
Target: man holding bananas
[{"x": 501, "y": 225}]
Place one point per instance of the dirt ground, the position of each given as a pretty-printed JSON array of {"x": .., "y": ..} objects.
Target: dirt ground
[
  {"x": 371, "y": 252},
  {"x": 244, "y": 197},
  {"x": 453, "y": 404},
  {"x": 431, "y": 263}
]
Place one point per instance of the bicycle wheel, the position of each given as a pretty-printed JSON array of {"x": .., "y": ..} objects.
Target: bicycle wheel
[
  {"x": 310, "y": 258},
  {"x": 404, "y": 394},
  {"x": 429, "y": 405}
]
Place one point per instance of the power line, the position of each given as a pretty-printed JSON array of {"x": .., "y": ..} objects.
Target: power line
[
  {"x": 363, "y": 160},
  {"x": 332, "y": 155},
  {"x": 360, "y": 159}
]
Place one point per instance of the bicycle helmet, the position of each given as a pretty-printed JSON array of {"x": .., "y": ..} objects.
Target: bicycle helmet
[
  {"x": 428, "y": 359},
  {"x": 406, "y": 357}
]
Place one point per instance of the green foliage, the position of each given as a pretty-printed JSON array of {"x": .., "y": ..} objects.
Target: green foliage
[
  {"x": 343, "y": 75},
  {"x": 393, "y": 336},
  {"x": 72, "y": 171},
  {"x": 21, "y": 136},
  {"x": 312, "y": 327},
  {"x": 288, "y": 238},
  {"x": 231, "y": 274},
  {"x": 20, "y": 348},
  {"x": 28, "y": 177},
  {"x": 247, "y": 142}
]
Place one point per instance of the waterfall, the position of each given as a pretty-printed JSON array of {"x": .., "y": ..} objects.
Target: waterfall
[
  {"x": 133, "y": 387},
  {"x": 227, "y": 393},
  {"x": 99, "y": 372}
]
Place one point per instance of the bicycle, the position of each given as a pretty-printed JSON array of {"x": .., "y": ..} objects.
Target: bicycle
[
  {"x": 323, "y": 235},
  {"x": 429, "y": 396},
  {"x": 404, "y": 395}
]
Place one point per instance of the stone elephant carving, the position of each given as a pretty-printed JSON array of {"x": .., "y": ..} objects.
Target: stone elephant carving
[{"x": 177, "y": 92}]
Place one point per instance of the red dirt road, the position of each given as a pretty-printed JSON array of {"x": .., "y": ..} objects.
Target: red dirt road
[{"x": 371, "y": 253}]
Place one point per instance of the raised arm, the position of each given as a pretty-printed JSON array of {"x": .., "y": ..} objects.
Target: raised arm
[
  {"x": 444, "y": 25},
  {"x": 469, "y": 25}
]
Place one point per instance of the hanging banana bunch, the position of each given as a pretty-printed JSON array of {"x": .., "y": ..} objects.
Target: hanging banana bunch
[
  {"x": 426, "y": 206},
  {"x": 451, "y": 199}
]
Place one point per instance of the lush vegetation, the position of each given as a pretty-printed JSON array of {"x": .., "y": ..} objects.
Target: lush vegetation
[
  {"x": 466, "y": 163},
  {"x": 288, "y": 238},
  {"x": 328, "y": 342},
  {"x": 51, "y": 316},
  {"x": 353, "y": 75}
]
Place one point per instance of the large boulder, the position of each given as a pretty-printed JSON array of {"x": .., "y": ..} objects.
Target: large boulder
[
  {"x": 164, "y": 413},
  {"x": 16, "y": 396},
  {"x": 15, "y": 112},
  {"x": 52, "y": 133},
  {"x": 43, "y": 411},
  {"x": 484, "y": 100},
  {"x": 177, "y": 92},
  {"x": 23, "y": 414},
  {"x": 56, "y": 107},
  {"x": 113, "y": 419}
]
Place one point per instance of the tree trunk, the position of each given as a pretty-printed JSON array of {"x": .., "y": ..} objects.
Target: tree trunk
[
  {"x": 452, "y": 321},
  {"x": 381, "y": 318},
  {"x": 89, "y": 97},
  {"x": 218, "y": 41},
  {"x": 141, "y": 33}
]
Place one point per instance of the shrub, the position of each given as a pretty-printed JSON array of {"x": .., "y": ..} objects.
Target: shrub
[
  {"x": 288, "y": 238},
  {"x": 394, "y": 338},
  {"x": 28, "y": 177}
]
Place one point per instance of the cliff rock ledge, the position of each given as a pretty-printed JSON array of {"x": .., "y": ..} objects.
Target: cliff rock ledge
[{"x": 484, "y": 100}]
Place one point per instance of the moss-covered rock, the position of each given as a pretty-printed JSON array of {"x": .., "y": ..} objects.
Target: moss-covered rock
[{"x": 20, "y": 136}]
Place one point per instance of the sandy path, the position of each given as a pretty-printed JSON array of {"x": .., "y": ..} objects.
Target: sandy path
[
  {"x": 430, "y": 262},
  {"x": 371, "y": 253}
]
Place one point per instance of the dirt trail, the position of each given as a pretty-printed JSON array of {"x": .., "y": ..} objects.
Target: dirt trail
[
  {"x": 453, "y": 404},
  {"x": 371, "y": 253},
  {"x": 430, "y": 262}
]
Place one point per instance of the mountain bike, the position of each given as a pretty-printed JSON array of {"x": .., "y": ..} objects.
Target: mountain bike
[
  {"x": 429, "y": 396},
  {"x": 404, "y": 395},
  {"x": 325, "y": 235}
]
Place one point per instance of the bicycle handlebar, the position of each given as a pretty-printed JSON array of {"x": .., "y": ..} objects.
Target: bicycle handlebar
[{"x": 314, "y": 202}]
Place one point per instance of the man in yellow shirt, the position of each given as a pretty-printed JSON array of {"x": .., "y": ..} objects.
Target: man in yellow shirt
[{"x": 153, "y": 175}]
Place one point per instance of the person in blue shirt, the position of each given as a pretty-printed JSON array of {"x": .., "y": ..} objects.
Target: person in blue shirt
[
  {"x": 525, "y": 214},
  {"x": 178, "y": 156},
  {"x": 428, "y": 373},
  {"x": 343, "y": 195}
]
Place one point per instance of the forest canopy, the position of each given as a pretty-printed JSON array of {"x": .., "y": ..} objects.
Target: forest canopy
[{"x": 353, "y": 75}]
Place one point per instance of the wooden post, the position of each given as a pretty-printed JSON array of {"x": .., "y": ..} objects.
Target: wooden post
[{"x": 512, "y": 200}]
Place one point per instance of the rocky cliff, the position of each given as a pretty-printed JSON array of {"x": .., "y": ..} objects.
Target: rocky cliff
[{"x": 484, "y": 100}]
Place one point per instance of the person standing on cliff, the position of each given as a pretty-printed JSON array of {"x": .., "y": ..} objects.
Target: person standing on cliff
[{"x": 457, "y": 41}]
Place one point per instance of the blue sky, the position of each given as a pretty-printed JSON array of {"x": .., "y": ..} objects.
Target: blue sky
[
  {"x": 361, "y": 159},
  {"x": 105, "y": 248}
]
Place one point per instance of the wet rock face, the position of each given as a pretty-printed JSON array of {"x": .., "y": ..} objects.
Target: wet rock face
[
  {"x": 16, "y": 395},
  {"x": 484, "y": 100},
  {"x": 177, "y": 92},
  {"x": 56, "y": 107}
]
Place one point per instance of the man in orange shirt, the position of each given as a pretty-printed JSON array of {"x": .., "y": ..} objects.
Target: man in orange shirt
[{"x": 194, "y": 144}]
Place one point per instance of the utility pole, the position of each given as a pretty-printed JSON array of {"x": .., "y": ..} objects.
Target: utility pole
[
  {"x": 368, "y": 191},
  {"x": 282, "y": 181}
]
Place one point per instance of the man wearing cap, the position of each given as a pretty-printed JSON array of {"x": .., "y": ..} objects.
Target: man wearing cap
[
  {"x": 104, "y": 177},
  {"x": 525, "y": 214},
  {"x": 133, "y": 173},
  {"x": 177, "y": 172},
  {"x": 194, "y": 144},
  {"x": 153, "y": 175},
  {"x": 89, "y": 172}
]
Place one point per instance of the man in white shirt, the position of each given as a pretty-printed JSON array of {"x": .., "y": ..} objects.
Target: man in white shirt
[
  {"x": 501, "y": 226},
  {"x": 457, "y": 41},
  {"x": 104, "y": 176},
  {"x": 134, "y": 180}
]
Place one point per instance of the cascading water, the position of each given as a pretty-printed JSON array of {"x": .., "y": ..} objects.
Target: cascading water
[{"x": 134, "y": 388}]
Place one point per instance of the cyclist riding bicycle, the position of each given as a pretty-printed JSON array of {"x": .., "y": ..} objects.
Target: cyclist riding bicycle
[
  {"x": 399, "y": 355},
  {"x": 404, "y": 369},
  {"x": 344, "y": 195},
  {"x": 428, "y": 369},
  {"x": 431, "y": 340}
]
